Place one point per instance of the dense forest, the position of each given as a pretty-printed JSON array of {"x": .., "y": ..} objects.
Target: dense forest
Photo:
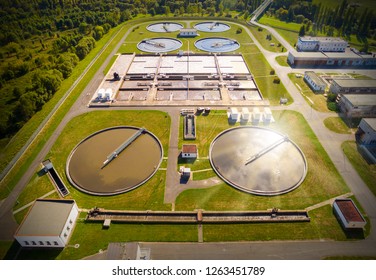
[
  {"x": 346, "y": 19},
  {"x": 41, "y": 41}
]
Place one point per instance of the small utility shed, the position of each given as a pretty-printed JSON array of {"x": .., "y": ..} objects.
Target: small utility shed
[
  {"x": 188, "y": 32},
  {"x": 49, "y": 223},
  {"x": 189, "y": 151},
  {"x": 233, "y": 114},
  {"x": 348, "y": 214}
]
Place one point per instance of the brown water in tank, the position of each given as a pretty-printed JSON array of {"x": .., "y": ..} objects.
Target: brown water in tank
[{"x": 132, "y": 166}]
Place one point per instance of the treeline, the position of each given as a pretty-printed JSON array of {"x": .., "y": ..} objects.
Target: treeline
[
  {"x": 346, "y": 19},
  {"x": 41, "y": 41}
]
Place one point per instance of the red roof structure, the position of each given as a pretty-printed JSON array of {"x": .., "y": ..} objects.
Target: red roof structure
[
  {"x": 349, "y": 210},
  {"x": 189, "y": 149}
]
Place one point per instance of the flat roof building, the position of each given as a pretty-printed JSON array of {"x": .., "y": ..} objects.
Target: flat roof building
[
  {"x": 353, "y": 86},
  {"x": 347, "y": 59},
  {"x": 49, "y": 223},
  {"x": 348, "y": 214},
  {"x": 189, "y": 151},
  {"x": 318, "y": 44},
  {"x": 314, "y": 81},
  {"x": 358, "y": 105},
  {"x": 188, "y": 32}
]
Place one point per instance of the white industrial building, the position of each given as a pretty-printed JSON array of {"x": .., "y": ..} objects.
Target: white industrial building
[
  {"x": 188, "y": 32},
  {"x": 348, "y": 214},
  {"x": 49, "y": 223},
  {"x": 366, "y": 139},
  {"x": 314, "y": 81},
  {"x": 321, "y": 44}
]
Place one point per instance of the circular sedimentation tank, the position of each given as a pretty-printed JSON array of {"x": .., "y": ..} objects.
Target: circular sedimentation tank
[
  {"x": 159, "y": 45},
  {"x": 258, "y": 160},
  {"x": 114, "y": 160},
  {"x": 164, "y": 27},
  {"x": 212, "y": 26},
  {"x": 217, "y": 44}
]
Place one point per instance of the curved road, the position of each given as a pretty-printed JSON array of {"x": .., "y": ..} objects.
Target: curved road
[{"x": 248, "y": 250}]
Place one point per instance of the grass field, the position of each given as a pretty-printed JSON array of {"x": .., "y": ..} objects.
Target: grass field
[
  {"x": 323, "y": 225},
  {"x": 82, "y": 126},
  {"x": 282, "y": 60},
  {"x": 336, "y": 124},
  {"x": 366, "y": 171},
  {"x": 322, "y": 181},
  {"x": 272, "y": 45},
  {"x": 319, "y": 100}
]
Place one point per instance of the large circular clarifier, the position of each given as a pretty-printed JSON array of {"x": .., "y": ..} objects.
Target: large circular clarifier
[
  {"x": 114, "y": 160},
  {"x": 212, "y": 26},
  {"x": 158, "y": 45},
  {"x": 258, "y": 160},
  {"x": 163, "y": 27},
  {"x": 217, "y": 44}
]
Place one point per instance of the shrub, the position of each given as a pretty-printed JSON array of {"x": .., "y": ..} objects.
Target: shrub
[
  {"x": 272, "y": 72},
  {"x": 260, "y": 29},
  {"x": 331, "y": 97},
  {"x": 239, "y": 30},
  {"x": 332, "y": 106},
  {"x": 277, "y": 80}
]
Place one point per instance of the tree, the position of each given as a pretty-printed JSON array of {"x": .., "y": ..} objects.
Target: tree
[
  {"x": 302, "y": 31},
  {"x": 290, "y": 14},
  {"x": 98, "y": 32}
]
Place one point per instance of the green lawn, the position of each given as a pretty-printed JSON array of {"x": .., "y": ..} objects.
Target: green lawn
[
  {"x": 322, "y": 181},
  {"x": 282, "y": 60},
  {"x": 319, "y": 100},
  {"x": 366, "y": 171},
  {"x": 272, "y": 45},
  {"x": 323, "y": 225},
  {"x": 4, "y": 247},
  {"x": 148, "y": 196},
  {"x": 93, "y": 238},
  {"x": 336, "y": 124}
]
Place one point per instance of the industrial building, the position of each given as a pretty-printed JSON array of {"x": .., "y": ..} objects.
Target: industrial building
[
  {"x": 353, "y": 86},
  {"x": 49, "y": 223},
  {"x": 314, "y": 81},
  {"x": 366, "y": 139},
  {"x": 188, "y": 32},
  {"x": 321, "y": 44},
  {"x": 348, "y": 214},
  {"x": 348, "y": 59},
  {"x": 357, "y": 105},
  {"x": 189, "y": 151}
]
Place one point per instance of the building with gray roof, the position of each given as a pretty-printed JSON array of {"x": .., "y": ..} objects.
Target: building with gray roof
[
  {"x": 49, "y": 223},
  {"x": 358, "y": 105},
  {"x": 353, "y": 86}
]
